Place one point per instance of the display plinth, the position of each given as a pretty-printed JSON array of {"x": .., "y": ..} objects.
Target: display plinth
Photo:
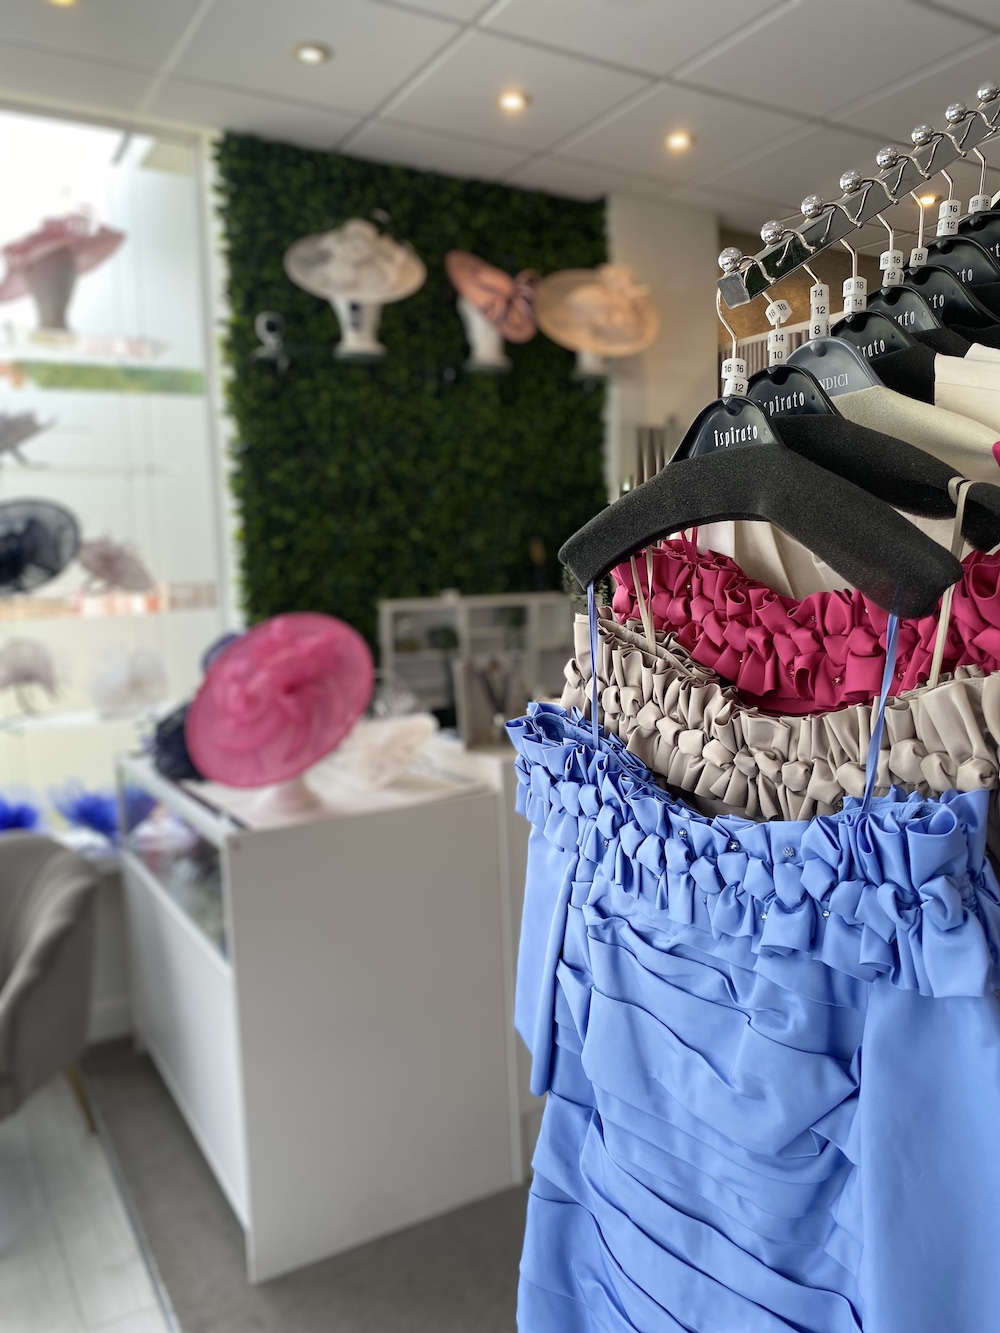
[{"x": 329, "y": 1005}]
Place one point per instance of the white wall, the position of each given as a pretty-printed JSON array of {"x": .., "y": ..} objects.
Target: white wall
[{"x": 675, "y": 252}]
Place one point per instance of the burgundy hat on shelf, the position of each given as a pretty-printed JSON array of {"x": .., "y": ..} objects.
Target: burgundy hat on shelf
[
  {"x": 279, "y": 698},
  {"x": 76, "y": 234},
  {"x": 507, "y": 302}
]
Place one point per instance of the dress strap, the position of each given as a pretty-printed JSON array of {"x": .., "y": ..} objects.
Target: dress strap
[
  {"x": 878, "y": 724},
  {"x": 958, "y": 489},
  {"x": 592, "y": 622}
]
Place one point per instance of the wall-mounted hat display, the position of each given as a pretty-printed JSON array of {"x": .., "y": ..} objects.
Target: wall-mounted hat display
[
  {"x": 112, "y": 565},
  {"x": 27, "y": 665},
  {"x": 17, "y": 429},
  {"x": 129, "y": 681},
  {"x": 600, "y": 314},
  {"x": 358, "y": 270},
  {"x": 46, "y": 264},
  {"x": 276, "y": 701},
  {"x": 38, "y": 539},
  {"x": 494, "y": 307}
]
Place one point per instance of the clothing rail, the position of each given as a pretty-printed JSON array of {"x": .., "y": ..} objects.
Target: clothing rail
[{"x": 824, "y": 224}]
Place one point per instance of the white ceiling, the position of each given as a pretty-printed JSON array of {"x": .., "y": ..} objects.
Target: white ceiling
[{"x": 780, "y": 97}]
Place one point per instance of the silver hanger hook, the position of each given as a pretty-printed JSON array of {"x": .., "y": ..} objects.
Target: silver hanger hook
[
  {"x": 951, "y": 184},
  {"x": 918, "y": 200},
  {"x": 854, "y": 256},
  {"x": 982, "y": 170},
  {"x": 889, "y": 230},
  {"x": 725, "y": 323},
  {"x": 772, "y": 233},
  {"x": 808, "y": 269}
]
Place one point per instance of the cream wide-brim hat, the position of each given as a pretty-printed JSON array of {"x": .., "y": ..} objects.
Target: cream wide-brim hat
[
  {"x": 355, "y": 262},
  {"x": 602, "y": 311}
]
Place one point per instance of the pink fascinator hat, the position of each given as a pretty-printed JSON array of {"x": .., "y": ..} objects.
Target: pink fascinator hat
[
  {"x": 278, "y": 699},
  {"x": 507, "y": 302},
  {"x": 47, "y": 263}
]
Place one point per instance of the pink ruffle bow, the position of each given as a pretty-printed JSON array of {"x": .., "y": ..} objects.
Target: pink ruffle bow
[{"x": 813, "y": 655}]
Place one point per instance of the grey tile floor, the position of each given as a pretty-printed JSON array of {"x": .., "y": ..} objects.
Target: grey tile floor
[{"x": 69, "y": 1258}]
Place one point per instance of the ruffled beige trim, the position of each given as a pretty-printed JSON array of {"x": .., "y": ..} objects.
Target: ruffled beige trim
[{"x": 698, "y": 735}]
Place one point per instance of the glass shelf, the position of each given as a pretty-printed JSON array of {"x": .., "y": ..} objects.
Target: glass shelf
[{"x": 185, "y": 865}]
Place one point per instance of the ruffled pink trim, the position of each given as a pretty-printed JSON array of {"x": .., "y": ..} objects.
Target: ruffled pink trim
[{"x": 813, "y": 655}]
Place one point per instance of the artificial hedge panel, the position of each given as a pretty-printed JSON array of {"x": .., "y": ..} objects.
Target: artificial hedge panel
[{"x": 356, "y": 482}]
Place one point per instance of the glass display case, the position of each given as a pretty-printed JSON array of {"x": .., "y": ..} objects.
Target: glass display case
[
  {"x": 185, "y": 864},
  {"x": 104, "y": 411}
]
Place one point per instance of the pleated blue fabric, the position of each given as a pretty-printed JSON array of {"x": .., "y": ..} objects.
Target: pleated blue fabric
[{"x": 771, "y": 1054}]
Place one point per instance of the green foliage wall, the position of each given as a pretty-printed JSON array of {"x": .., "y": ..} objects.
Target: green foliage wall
[{"x": 358, "y": 482}]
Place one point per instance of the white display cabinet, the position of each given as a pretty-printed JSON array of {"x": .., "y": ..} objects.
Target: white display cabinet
[
  {"x": 420, "y": 638},
  {"x": 329, "y": 1004}
]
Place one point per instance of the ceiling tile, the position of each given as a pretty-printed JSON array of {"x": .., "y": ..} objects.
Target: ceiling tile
[
  {"x": 722, "y": 130},
  {"x": 811, "y": 162},
  {"x": 375, "y": 49},
  {"x": 738, "y": 211},
  {"x": 136, "y": 32},
  {"x": 188, "y": 103},
  {"x": 894, "y": 110},
  {"x": 47, "y": 77},
  {"x": 463, "y": 90},
  {"x": 651, "y": 35},
  {"x": 383, "y": 141},
  {"x": 984, "y": 11},
  {"x": 464, "y": 11},
  {"x": 815, "y": 59},
  {"x": 581, "y": 180}
]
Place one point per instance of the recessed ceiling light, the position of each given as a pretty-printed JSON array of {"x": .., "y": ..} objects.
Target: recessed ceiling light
[
  {"x": 928, "y": 199},
  {"x": 678, "y": 141},
  {"x": 63, "y": 4},
  {"x": 513, "y": 101},
  {"x": 312, "y": 53}
]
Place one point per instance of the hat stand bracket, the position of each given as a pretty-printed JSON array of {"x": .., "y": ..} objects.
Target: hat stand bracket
[{"x": 864, "y": 198}]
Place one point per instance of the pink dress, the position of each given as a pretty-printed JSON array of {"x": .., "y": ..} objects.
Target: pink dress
[{"x": 808, "y": 655}]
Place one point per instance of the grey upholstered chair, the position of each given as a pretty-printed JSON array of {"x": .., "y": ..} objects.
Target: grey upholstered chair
[{"x": 47, "y": 914}]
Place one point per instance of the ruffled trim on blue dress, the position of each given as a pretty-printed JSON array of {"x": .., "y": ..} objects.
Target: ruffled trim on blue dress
[{"x": 903, "y": 890}]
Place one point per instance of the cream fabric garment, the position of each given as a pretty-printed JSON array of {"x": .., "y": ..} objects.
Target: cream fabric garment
[
  {"x": 773, "y": 557},
  {"x": 980, "y": 352},
  {"x": 971, "y": 388},
  {"x": 699, "y": 736}
]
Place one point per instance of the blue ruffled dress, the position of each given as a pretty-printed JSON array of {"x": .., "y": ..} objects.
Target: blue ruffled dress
[{"x": 771, "y": 1053}]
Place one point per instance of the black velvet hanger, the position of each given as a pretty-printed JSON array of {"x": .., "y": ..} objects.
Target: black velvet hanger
[
  {"x": 954, "y": 304},
  {"x": 946, "y": 341},
  {"x": 909, "y": 371},
  {"x": 872, "y": 333},
  {"x": 909, "y": 308},
  {"x": 912, "y": 311},
  {"x": 864, "y": 540},
  {"x": 989, "y": 337},
  {"x": 837, "y": 365},
  {"x": 966, "y": 258},
  {"x": 985, "y": 228},
  {"x": 806, "y": 420}
]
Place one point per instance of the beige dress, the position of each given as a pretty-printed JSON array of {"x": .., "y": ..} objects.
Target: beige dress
[{"x": 697, "y": 734}]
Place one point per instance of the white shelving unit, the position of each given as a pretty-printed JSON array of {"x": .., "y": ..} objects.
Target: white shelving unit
[
  {"x": 536, "y": 626},
  {"x": 329, "y": 1004}
]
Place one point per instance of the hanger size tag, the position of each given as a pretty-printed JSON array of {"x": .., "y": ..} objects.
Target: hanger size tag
[
  {"x": 891, "y": 264},
  {"x": 918, "y": 256},
  {"x": 777, "y": 347},
  {"x": 735, "y": 386},
  {"x": 980, "y": 203},
  {"x": 778, "y": 312},
  {"x": 948, "y": 215},
  {"x": 819, "y": 310},
  {"x": 855, "y": 295}
]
